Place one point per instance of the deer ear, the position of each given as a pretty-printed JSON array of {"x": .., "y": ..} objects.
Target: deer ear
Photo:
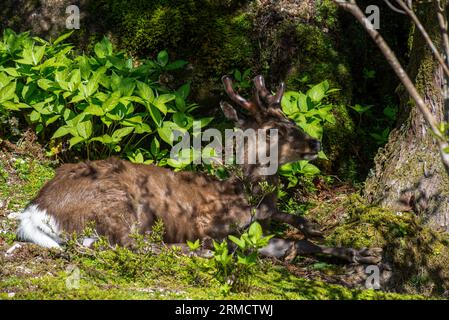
[{"x": 229, "y": 112}]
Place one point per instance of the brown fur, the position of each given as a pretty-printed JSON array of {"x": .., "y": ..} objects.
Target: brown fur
[{"x": 122, "y": 197}]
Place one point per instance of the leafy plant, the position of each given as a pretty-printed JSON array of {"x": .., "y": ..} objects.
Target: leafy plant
[
  {"x": 92, "y": 105},
  {"x": 310, "y": 112},
  {"x": 242, "y": 80},
  {"x": 234, "y": 269}
]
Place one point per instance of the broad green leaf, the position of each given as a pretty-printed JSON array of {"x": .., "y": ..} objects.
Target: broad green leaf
[
  {"x": 123, "y": 132},
  {"x": 255, "y": 231},
  {"x": 162, "y": 58},
  {"x": 237, "y": 241},
  {"x": 103, "y": 48},
  {"x": 184, "y": 91},
  {"x": 45, "y": 84},
  {"x": 38, "y": 54},
  {"x": 111, "y": 102},
  {"x": 62, "y": 37},
  {"x": 13, "y": 106},
  {"x": 75, "y": 140},
  {"x": 8, "y": 92},
  {"x": 166, "y": 134},
  {"x": 84, "y": 129},
  {"x": 35, "y": 116},
  {"x": 94, "y": 109},
  {"x": 178, "y": 64},
  {"x": 308, "y": 168},
  {"x": 145, "y": 92},
  {"x": 318, "y": 92},
  {"x": 161, "y": 100},
  {"x": 155, "y": 115},
  {"x": 62, "y": 131},
  {"x": 11, "y": 71},
  {"x": 154, "y": 147},
  {"x": 105, "y": 139},
  {"x": 51, "y": 119},
  {"x": 126, "y": 86}
]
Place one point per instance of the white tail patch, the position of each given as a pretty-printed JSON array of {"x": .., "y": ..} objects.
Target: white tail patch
[{"x": 38, "y": 227}]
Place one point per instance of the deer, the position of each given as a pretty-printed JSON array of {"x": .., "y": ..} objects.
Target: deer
[{"x": 122, "y": 198}]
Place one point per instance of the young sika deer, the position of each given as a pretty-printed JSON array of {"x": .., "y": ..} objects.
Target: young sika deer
[{"x": 122, "y": 198}]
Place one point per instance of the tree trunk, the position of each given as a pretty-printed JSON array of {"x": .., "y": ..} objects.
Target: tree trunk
[{"x": 408, "y": 173}]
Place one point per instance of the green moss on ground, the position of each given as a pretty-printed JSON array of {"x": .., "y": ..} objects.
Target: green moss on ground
[
  {"x": 417, "y": 254},
  {"x": 165, "y": 276}
]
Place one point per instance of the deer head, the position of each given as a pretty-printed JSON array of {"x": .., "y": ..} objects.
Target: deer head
[{"x": 264, "y": 112}]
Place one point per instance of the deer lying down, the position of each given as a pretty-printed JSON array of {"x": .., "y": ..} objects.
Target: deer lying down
[{"x": 122, "y": 198}]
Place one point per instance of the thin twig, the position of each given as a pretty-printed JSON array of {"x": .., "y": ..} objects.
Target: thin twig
[
  {"x": 352, "y": 7},
  {"x": 425, "y": 35}
]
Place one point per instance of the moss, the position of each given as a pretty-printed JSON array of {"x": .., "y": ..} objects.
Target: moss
[
  {"x": 319, "y": 59},
  {"x": 418, "y": 254},
  {"x": 169, "y": 277},
  {"x": 32, "y": 175}
]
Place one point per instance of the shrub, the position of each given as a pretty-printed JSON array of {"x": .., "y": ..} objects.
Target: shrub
[
  {"x": 310, "y": 112},
  {"x": 93, "y": 105}
]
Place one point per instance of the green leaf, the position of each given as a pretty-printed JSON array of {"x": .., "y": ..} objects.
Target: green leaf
[
  {"x": 126, "y": 86},
  {"x": 8, "y": 92},
  {"x": 178, "y": 64},
  {"x": 45, "y": 84},
  {"x": 166, "y": 134},
  {"x": 161, "y": 100},
  {"x": 123, "y": 132},
  {"x": 11, "y": 71},
  {"x": 94, "y": 109},
  {"x": 255, "y": 231},
  {"x": 184, "y": 91},
  {"x": 103, "y": 48},
  {"x": 62, "y": 131},
  {"x": 13, "y": 106},
  {"x": 154, "y": 147},
  {"x": 289, "y": 102},
  {"x": 75, "y": 140},
  {"x": 318, "y": 92},
  {"x": 144, "y": 91},
  {"x": 62, "y": 37},
  {"x": 84, "y": 129},
  {"x": 308, "y": 168},
  {"x": 360, "y": 109},
  {"x": 111, "y": 102},
  {"x": 105, "y": 139},
  {"x": 239, "y": 242},
  {"x": 193, "y": 245},
  {"x": 162, "y": 58},
  {"x": 38, "y": 54}
]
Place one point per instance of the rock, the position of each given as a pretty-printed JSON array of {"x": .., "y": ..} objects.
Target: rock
[{"x": 11, "y": 250}]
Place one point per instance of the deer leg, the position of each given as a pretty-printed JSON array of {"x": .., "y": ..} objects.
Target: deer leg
[
  {"x": 281, "y": 248},
  {"x": 309, "y": 229}
]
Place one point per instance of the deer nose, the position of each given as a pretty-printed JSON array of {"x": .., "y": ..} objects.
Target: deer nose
[{"x": 315, "y": 145}]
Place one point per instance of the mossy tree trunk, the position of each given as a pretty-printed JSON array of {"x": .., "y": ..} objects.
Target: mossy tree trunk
[{"x": 408, "y": 173}]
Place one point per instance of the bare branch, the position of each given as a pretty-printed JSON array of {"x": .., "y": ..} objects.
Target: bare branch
[
  {"x": 417, "y": 22},
  {"x": 392, "y": 7},
  {"x": 389, "y": 55},
  {"x": 442, "y": 21}
]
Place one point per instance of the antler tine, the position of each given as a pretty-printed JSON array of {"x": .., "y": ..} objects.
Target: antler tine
[
  {"x": 279, "y": 93},
  {"x": 250, "y": 106},
  {"x": 259, "y": 83}
]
